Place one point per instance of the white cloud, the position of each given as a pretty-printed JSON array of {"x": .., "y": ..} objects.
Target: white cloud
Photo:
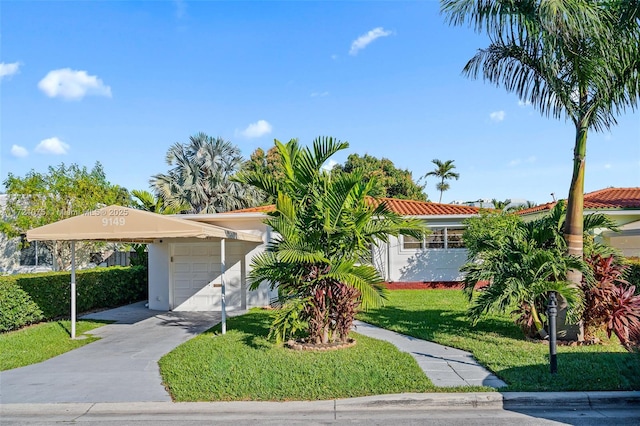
[
  {"x": 52, "y": 146},
  {"x": 497, "y": 116},
  {"x": 7, "y": 70},
  {"x": 319, "y": 94},
  {"x": 329, "y": 165},
  {"x": 529, "y": 160},
  {"x": 364, "y": 40},
  {"x": 607, "y": 166},
  {"x": 334, "y": 57},
  {"x": 523, "y": 104},
  {"x": 255, "y": 130},
  {"x": 71, "y": 84},
  {"x": 19, "y": 151}
]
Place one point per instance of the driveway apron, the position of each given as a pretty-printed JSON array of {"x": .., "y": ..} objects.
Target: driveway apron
[{"x": 120, "y": 367}]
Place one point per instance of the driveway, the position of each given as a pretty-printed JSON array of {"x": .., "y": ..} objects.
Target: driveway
[{"x": 120, "y": 367}]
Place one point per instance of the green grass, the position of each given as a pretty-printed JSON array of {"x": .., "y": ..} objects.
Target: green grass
[
  {"x": 440, "y": 316},
  {"x": 243, "y": 365},
  {"x": 40, "y": 342}
]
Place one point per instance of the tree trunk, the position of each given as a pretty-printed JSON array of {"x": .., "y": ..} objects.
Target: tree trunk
[{"x": 573, "y": 227}]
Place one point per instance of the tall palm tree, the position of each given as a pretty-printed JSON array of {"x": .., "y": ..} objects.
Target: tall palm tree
[
  {"x": 444, "y": 171},
  {"x": 324, "y": 226},
  {"x": 201, "y": 177},
  {"x": 575, "y": 59}
]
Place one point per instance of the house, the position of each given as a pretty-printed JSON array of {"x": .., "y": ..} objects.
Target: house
[
  {"x": 622, "y": 205},
  {"x": 435, "y": 259}
]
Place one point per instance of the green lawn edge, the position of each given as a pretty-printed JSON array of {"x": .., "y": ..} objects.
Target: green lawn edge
[{"x": 40, "y": 342}]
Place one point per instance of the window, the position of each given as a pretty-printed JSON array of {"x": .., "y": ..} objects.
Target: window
[
  {"x": 439, "y": 238},
  {"x": 410, "y": 243},
  {"x": 34, "y": 254}
]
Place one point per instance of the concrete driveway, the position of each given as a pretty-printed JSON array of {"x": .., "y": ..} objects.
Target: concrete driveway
[{"x": 120, "y": 367}]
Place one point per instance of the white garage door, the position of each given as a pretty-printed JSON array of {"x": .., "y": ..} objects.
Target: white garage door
[{"x": 196, "y": 276}]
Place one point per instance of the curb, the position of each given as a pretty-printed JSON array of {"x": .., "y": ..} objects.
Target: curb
[
  {"x": 379, "y": 403},
  {"x": 506, "y": 400}
]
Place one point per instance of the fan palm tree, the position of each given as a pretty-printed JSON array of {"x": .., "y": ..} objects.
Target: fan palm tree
[
  {"x": 145, "y": 200},
  {"x": 201, "y": 177},
  {"x": 575, "y": 59},
  {"x": 444, "y": 171},
  {"x": 324, "y": 226}
]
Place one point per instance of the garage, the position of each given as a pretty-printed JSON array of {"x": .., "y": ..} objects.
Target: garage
[
  {"x": 189, "y": 266},
  {"x": 196, "y": 276}
]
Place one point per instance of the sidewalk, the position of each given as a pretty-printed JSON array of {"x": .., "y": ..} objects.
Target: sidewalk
[{"x": 444, "y": 366}]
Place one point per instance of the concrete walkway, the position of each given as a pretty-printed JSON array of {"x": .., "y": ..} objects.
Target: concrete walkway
[
  {"x": 444, "y": 366},
  {"x": 120, "y": 367}
]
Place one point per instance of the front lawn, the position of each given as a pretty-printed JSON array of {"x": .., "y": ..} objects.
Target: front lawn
[
  {"x": 243, "y": 365},
  {"x": 440, "y": 316},
  {"x": 42, "y": 341}
]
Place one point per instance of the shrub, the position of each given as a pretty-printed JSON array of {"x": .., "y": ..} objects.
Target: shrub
[
  {"x": 17, "y": 309},
  {"x": 632, "y": 273},
  {"x": 29, "y": 298},
  {"x": 611, "y": 303}
]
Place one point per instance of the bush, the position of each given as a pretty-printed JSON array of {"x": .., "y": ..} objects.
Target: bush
[
  {"x": 29, "y": 298},
  {"x": 632, "y": 273},
  {"x": 17, "y": 309}
]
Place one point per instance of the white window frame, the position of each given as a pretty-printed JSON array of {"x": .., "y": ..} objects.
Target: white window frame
[{"x": 425, "y": 239}]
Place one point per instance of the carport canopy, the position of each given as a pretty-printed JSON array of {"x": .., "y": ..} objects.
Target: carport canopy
[{"x": 122, "y": 224}]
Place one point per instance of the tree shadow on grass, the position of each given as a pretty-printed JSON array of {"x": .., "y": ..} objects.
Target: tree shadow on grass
[
  {"x": 579, "y": 371},
  {"x": 254, "y": 326},
  {"x": 66, "y": 325}
]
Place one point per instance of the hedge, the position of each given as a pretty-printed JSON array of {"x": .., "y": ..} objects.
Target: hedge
[{"x": 29, "y": 298}]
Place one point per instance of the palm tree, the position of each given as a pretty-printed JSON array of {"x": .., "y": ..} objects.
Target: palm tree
[
  {"x": 324, "y": 226},
  {"x": 145, "y": 200},
  {"x": 201, "y": 177},
  {"x": 500, "y": 205},
  {"x": 523, "y": 264},
  {"x": 577, "y": 59},
  {"x": 444, "y": 171}
]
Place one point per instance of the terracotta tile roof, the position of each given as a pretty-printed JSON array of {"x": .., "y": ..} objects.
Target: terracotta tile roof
[
  {"x": 608, "y": 198},
  {"x": 422, "y": 208},
  {"x": 402, "y": 207},
  {"x": 259, "y": 209}
]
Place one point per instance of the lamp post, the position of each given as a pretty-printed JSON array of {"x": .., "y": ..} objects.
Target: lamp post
[{"x": 552, "y": 312}]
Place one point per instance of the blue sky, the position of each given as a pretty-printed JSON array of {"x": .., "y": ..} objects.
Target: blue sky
[{"x": 121, "y": 81}]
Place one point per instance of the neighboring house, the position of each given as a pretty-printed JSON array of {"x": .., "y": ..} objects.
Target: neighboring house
[
  {"x": 622, "y": 205},
  {"x": 18, "y": 258}
]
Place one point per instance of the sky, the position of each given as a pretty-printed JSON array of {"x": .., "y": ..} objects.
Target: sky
[{"x": 119, "y": 82}]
